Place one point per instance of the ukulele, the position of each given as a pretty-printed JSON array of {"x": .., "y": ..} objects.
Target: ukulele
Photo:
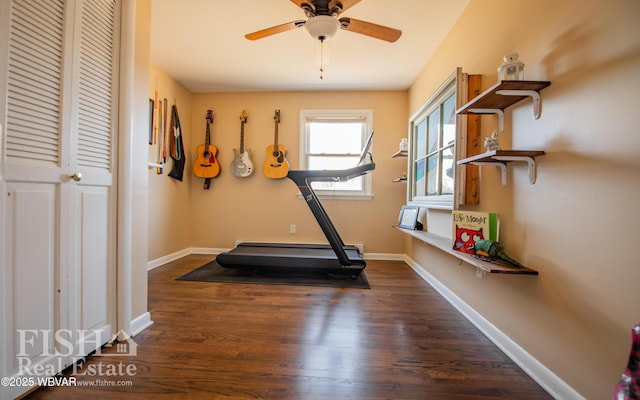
[
  {"x": 241, "y": 166},
  {"x": 205, "y": 165},
  {"x": 276, "y": 166}
]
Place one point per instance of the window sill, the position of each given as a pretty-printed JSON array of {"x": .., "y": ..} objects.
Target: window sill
[{"x": 443, "y": 203}]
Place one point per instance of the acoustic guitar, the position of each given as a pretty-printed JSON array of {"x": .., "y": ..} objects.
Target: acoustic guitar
[
  {"x": 276, "y": 166},
  {"x": 206, "y": 165},
  {"x": 242, "y": 166}
]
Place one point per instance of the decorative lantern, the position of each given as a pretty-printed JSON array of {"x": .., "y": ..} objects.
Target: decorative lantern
[{"x": 512, "y": 69}]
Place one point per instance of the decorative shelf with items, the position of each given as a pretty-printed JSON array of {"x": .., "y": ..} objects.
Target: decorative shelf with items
[
  {"x": 402, "y": 153},
  {"x": 444, "y": 244},
  {"x": 500, "y": 158},
  {"x": 503, "y": 95},
  {"x": 495, "y": 100}
]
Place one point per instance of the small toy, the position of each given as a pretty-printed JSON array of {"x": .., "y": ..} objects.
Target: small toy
[
  {"x": 493, "y": 251},
  {"x": 629, "y": 385},
  {"x": 492, "y": 143}
]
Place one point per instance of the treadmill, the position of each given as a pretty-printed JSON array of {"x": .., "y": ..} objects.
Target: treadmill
[{"x": 336, "y": 258}]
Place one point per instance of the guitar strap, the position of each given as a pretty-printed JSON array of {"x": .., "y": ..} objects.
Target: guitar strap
[{"x": 178, "y": 158}]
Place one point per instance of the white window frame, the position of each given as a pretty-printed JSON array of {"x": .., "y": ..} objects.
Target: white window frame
[
  {"x": 366, "y": 116},
  {"x": 456, "y": 84}
]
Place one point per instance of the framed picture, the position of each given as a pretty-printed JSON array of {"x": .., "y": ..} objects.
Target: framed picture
[
  {"x": 409, "y": 218},
  {"x": 151, "y": 109}
]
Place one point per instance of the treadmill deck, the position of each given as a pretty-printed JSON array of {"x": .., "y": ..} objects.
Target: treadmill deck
[{"x": 291, "y": 256}]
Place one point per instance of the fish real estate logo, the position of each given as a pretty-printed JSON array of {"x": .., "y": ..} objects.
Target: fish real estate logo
[{"x": 46, "y": 352}]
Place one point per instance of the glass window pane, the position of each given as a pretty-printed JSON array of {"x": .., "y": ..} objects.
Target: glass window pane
[
  {"x": 447, "y": 171},
  {"x": 449, "y": 121},
  {"x": 421, "y": 182},
  {"x": 354, "y": 184},
  {"x": 335, "y": 138},
  {"x": 319, "y": 162},
  {"x": 432, "y": 174},
  {"x": 421, "y": 139},
  {"x": 432, "y": 166},
  {"x": 433, "y": 131}
]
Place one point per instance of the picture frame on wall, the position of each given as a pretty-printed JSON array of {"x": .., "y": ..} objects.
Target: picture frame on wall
[
  {"x": 409, "y": 218},
  {"x": 151, "y": 109}
]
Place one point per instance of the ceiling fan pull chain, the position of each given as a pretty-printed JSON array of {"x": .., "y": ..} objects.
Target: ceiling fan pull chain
[{"x": 321, "y": 57}]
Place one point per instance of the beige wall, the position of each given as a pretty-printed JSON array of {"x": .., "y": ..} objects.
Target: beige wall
[
  {"x": 169, "y": 199},
  {"x": 261, "y": 209},
  {"x": 577, "y": 225},
  {"x": 139, "y": 184},
  {"x": 184, "y": 215}
]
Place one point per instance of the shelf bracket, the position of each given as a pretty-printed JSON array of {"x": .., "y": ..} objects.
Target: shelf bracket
[
  {"x": 501, "y": 165},
  {"x": 496, "y": 111},
  {"x": 531, "y": 162},
  {"x": 531, "y": 93}
]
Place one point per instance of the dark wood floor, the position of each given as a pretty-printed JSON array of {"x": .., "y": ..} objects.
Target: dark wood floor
[{"x": 398, "y": 340}]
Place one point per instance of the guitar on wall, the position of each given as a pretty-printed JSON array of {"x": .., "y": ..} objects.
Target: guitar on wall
[
  {"x": 276, "y": 166},
  {"x": 242, "y": 166},
  {"x": 206, "y": 165}
]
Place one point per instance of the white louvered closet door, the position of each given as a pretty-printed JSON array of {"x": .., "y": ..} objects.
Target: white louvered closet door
[{"x": 58, "y": 79}]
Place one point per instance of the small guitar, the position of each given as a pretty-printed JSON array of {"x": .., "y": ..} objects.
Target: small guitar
[
  {"x": 206, "y": 165},
  {"x": 276, "y": 166},
  {"x": 242, "y": 166}
]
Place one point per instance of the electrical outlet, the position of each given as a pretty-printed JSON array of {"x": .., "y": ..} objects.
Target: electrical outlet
[{"x": 292, "y": 229}]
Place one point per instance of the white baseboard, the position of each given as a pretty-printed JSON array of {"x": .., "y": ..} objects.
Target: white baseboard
[
  {"x": 141, "y": 323},
  {"x": 384, "y": 256},
  {"x": 555, "y": 386},
  {"x": 168, "y": 258},
  {"x": 211, "y": 250},
  {"x": 182, "y": 253},
  {"x": 207, "y": 250}
]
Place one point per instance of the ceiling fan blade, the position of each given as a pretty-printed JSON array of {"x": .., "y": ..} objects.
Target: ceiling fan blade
[
  {"x": 274, "y": 29},
  {"x": 370, "y": 29},
  {"x": 344, "y": 4}
]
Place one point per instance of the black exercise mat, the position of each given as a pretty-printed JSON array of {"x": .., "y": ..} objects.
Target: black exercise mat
[{"x": 213, "y": 272}]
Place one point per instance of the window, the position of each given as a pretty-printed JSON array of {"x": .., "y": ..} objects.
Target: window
[
  {"x": 333, "y": 139},
  {"x": 433, "y": 132}
]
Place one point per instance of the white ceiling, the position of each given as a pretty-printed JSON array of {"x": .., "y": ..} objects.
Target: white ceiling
[{"x": 201, "y": 44}]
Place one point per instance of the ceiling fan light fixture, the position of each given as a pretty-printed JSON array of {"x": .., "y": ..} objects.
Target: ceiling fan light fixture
[{"x": 322, "y": 27}]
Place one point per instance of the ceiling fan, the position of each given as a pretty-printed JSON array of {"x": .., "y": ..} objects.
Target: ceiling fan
[{"x": 322, "y": 22}]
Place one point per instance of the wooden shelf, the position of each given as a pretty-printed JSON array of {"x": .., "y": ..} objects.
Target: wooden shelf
[
  {"x": 502, "y": 95},
  {"x": 500, "y": 158},
  {"x": 498, "y": 155},
  {"x": 444, "y": 244},
  {"x": 491, "y": 99},
  {"x": 399, "y": 153}
]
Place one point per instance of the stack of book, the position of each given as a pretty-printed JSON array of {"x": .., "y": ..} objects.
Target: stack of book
[{"x": 471, "y": 226}]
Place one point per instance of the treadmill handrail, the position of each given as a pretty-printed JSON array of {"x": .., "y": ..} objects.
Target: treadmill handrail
[{"x": 311, "y": 175}]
